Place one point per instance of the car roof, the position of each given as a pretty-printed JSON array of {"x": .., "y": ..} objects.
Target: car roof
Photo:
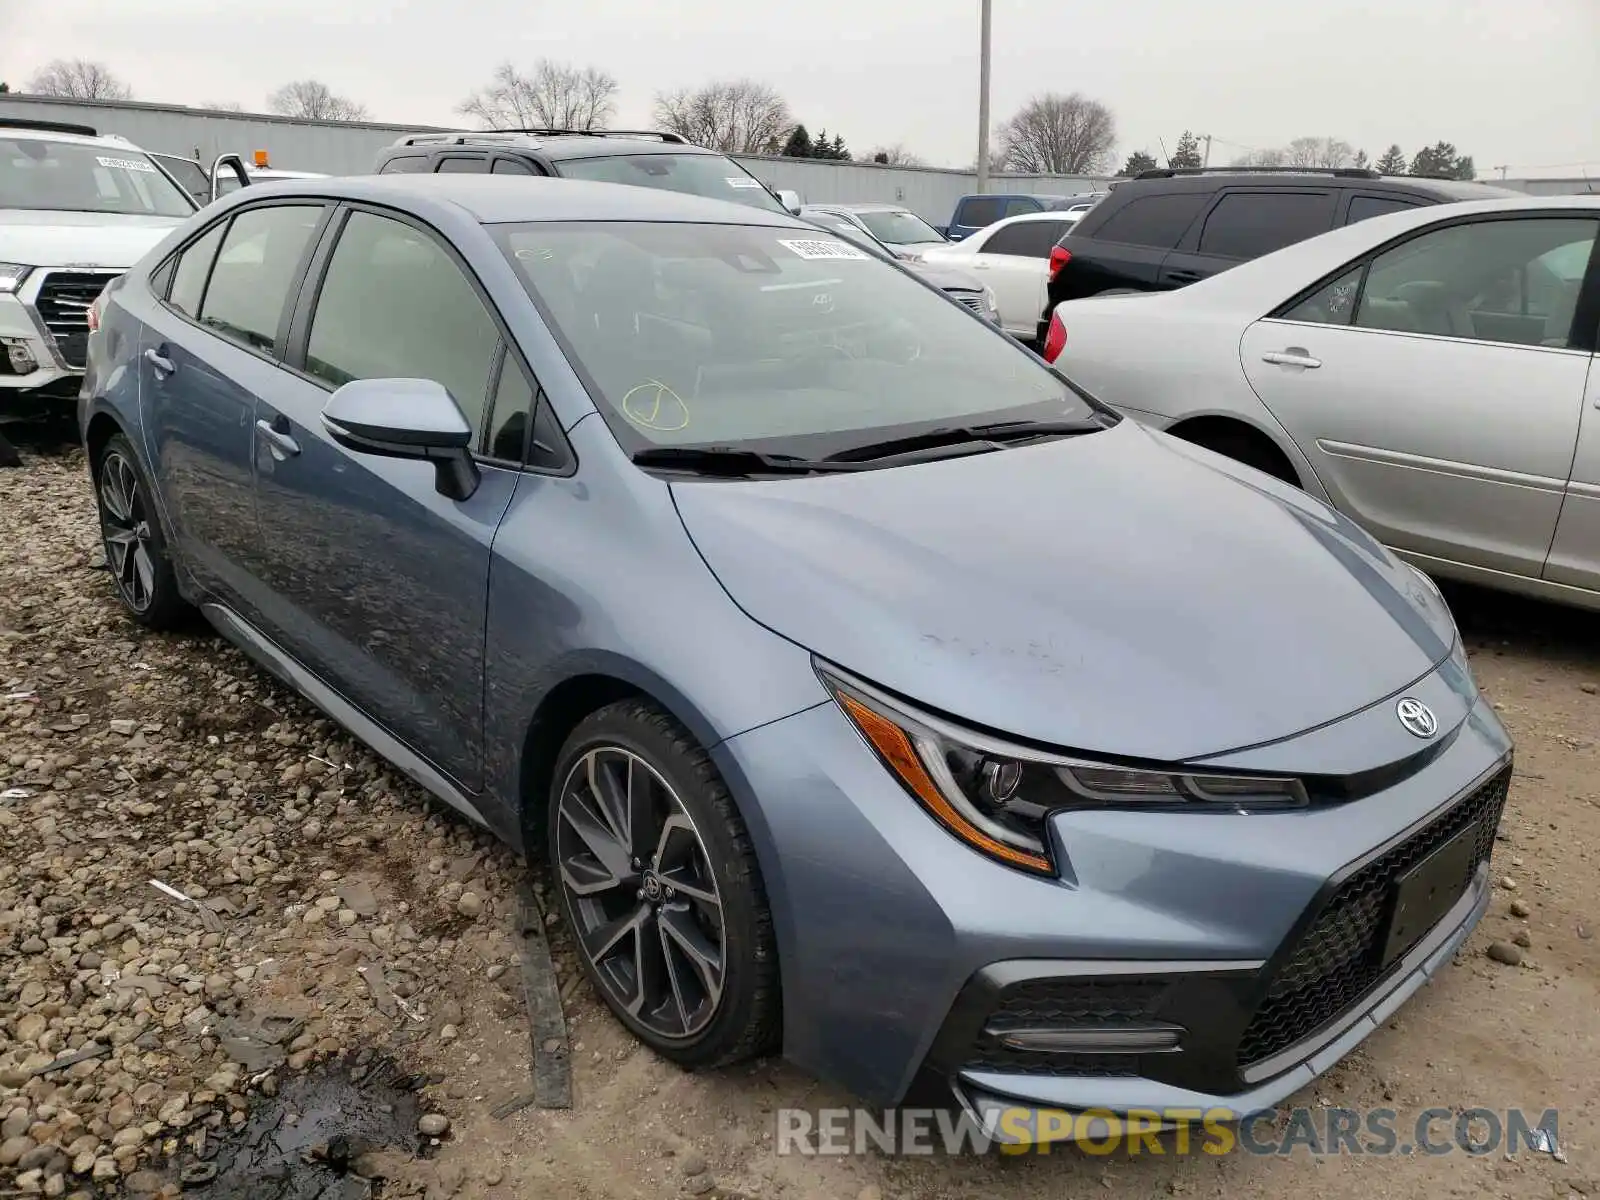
[
  {"x": 1213, "y": 179},
  {"x": 1049, "y": 214},
  {"x": 499, "y": 199},
  {"x": 1301, "y": 264},
  {"x": 8, "y": 129},
  {"x": 554, "y": 146}
]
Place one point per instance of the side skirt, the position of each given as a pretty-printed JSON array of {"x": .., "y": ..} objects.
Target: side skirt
[{"x": 260, "y": 648}]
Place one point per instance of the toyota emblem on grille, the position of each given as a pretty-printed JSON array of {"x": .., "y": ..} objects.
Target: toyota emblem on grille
[{"x": 1417, "y": 717}]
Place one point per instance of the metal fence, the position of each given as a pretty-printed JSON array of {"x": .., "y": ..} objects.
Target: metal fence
[{"x": 351, "y": 147}]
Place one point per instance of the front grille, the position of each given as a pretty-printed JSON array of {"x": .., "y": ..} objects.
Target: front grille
[
  {"x": 1336, "y": 961},
  {"x": 1106, "y": 1003},
  {"x": 63, "y": 305}
]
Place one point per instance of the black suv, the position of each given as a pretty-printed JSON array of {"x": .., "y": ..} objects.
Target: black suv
[
  {"x": 1167, "y": 228},
  {"x": 650, "y": 159}
]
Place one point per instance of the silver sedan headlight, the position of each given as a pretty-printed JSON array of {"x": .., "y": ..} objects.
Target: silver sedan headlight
[{"x": 11, "y": 277}]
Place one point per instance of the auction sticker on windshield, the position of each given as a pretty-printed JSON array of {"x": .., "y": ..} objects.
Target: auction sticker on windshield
[
  {"x": 743, "y": 183},
  {"x": 816, "y": 249},
  {"x": 126, "y": 164}
]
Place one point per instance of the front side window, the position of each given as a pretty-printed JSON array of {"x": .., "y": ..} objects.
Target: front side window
[
  {"x": 189, "y": 174},
  {"x": 770, "y": 338},
  {"x": 405, "y": 164},
  {"x": 709, "y": 175},
  {"x": 1513, "y": 281},
  {"x": 394, "y": 305},
  {"x": 900, "y": 228},
  {"x": 1247, "y": 225},
  {"x": 255, "y": 268},
  {"x": 512, "y": 166},
  {"x": 48, "y": 175},
  {"x": 463, "y": 165},
  {"x": 981, "y": 210}
]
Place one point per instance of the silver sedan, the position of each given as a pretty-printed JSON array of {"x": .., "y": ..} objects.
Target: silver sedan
[{"x": 1430, "y": 373}]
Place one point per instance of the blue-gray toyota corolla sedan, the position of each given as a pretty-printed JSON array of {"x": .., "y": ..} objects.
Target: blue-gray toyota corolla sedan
[{"x": 874, "y": 692}]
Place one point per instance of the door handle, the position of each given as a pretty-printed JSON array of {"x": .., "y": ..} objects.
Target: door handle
[
  {"x": 1291, "y": 358},
  {"x": 275, "y": 434},
  {"x": 159, "y": 361}
]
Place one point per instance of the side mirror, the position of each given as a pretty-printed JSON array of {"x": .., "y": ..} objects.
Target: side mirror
[
  {"x": 790, "y": 199},
  {"x": 406, "y": 418},
  {"x": 231, "y": 162}
]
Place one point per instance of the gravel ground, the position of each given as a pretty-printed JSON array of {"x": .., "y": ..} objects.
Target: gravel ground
[{"x": 329, "y": 920}]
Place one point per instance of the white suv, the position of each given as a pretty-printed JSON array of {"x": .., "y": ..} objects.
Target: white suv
[{"x": 76, "y": 210}]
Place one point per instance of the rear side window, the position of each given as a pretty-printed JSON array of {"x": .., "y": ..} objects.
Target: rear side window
[
  {"x": 256, "y": 267},
  {"x": 511, "y": 166},
  {"x": 458, "y": 164},
  {"x": 394, "y": 305},
  {"x": 1362, "y": 207},
  {"x": 1250, "y": 224},
  {"x": 984, "y": 210},
  {"x": 1152, "y": 220},
  {"x": 194, "y": 264},
  {"x": 1025, "y": 239},
  {"x": 406, "y": 164}
]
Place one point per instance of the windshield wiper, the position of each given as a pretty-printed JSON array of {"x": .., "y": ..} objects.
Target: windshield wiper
[
  {"x": 727, "y": 460},
  {"x": 991, "y": 434}
]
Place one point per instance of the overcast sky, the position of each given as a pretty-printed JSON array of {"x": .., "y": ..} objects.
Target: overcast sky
[{"x": 1513, "y": 82}]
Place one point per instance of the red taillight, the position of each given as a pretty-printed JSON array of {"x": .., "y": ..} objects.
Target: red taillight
[
  {"x": 95, "y": 309},
  {"x": 1055, "y": 339},
  {"x": 1059, "y": 257}
]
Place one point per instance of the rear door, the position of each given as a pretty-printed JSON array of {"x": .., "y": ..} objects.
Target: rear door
[
  {"x": 1242, "y": 224},
  {"x": 1436, "y": 393},
  {"x": 211, "y": 344},
  {"x": 378, "y": 583},
  {"x": 1013, "y": 258}
]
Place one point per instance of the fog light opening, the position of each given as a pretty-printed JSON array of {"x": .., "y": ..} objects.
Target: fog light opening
[
  {"x": 1142, "y": 1039},
  {"x": 19, "y": 356}
]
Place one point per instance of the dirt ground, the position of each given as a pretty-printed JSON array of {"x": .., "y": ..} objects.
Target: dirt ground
[{"x": 134, "y": 757}]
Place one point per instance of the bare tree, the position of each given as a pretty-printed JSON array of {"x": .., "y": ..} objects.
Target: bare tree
[
  {"x": 1270, "y": 157},
  {"x": 552, "y": 96},
  {"x": 736, "y": 116},
  {"x": 79, "y": 79},
  {"x": 1059, "y": 135},
  {"x": 895, "y": 156},
  {"x": 315, "y": 101},
  {"x": 1319, "y": 152}
]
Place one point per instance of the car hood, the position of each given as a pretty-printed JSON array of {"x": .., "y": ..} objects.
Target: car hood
[
  {"x": 947, "y": 278},
  {"x": 79, "y": 239},
  {"x": 1120, "y": 593}
]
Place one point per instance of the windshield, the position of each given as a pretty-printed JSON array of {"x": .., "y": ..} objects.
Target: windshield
[
  {"x": 709, "y": 175},
  {"x": 775, "y": 339},
  {"x": 39, "y": 173},
  {"x": 900, "y": 228}
]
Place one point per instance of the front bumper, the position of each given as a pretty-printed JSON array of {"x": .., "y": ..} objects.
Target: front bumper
[
  {"x": 47, "y": 320},
  {"x": 904, "y": 952}
]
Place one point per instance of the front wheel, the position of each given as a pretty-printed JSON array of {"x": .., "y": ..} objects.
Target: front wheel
[{"x": 661, "y": 888}]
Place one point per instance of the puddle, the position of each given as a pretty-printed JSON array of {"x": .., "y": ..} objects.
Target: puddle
[{"x": 304, "y": 1143}]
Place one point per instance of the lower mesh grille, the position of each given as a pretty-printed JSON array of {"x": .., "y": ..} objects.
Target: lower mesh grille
[{"x": 1336, "y": 961}]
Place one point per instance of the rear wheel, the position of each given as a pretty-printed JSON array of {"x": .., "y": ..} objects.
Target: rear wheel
[
  {"x": 661, "y": 888},
  {"x": 1244, "y": 445},
  {"x": 136, "y": 551}
]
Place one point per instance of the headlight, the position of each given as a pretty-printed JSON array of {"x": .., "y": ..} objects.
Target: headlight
[
  {"x": 11, "y": 276},
  {"x": 997, "y": 796},
  {"x": 989, "y": 301}
]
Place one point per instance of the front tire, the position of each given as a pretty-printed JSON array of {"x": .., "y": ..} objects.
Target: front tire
[
  {"x": 661, "y": 889},
  {"x": 136, "y": 550}
]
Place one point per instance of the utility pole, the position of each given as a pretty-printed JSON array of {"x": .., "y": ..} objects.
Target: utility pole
[
  {"x": 1206, "y": 161},
  {"x": 983, "y": 96}
]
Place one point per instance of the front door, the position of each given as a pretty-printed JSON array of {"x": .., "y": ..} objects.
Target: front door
[
  {"x": 1436, "y": 389},
  {"x": 209, "y": 345},
  {"x": 378, "y": 583}
]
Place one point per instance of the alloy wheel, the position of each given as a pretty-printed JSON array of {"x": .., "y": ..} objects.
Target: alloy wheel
[
  {"x": 643, "y": 898},
  {"x": 125, "y": 527}
]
